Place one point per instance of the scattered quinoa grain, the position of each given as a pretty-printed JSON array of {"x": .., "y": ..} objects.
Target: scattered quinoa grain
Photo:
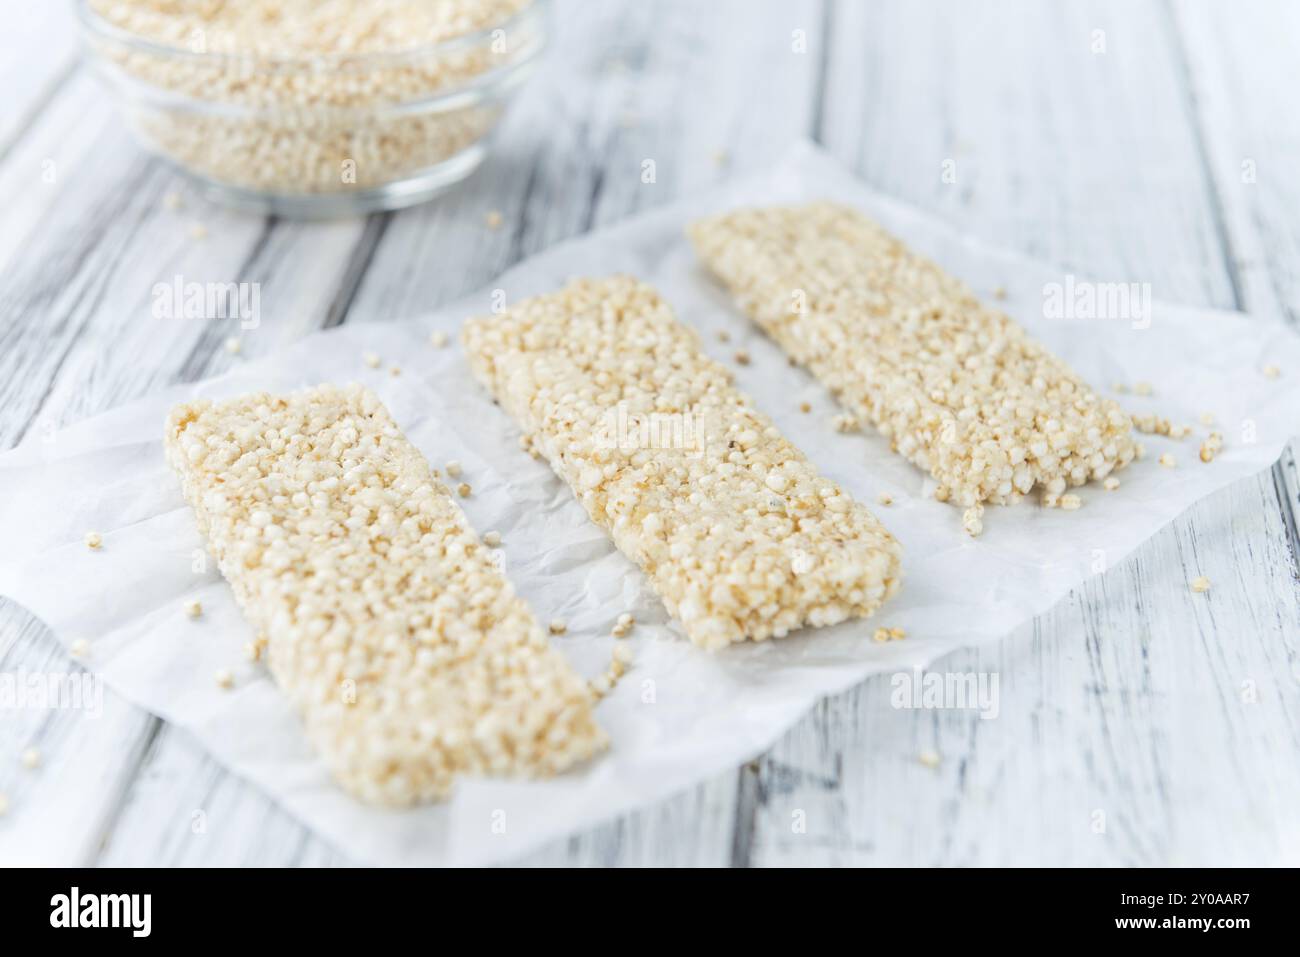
[
  {"x": 1200, "y": 584},
  {"x": 493, "y": 219},
  {"x": 884, "y": 498},
  {"x": 225, "y": 678},
  {"x": 972, "y": 520},
  {"x": 623, "y": 654},
  {"x": 1207, "y": 418},
  {"x": 172, "y": 199},
  {"x": 464, "y": 489},
  {"x": 453, "y": 469},
  {"x": 844, "y": 422},
  {"x": 371, "y": 360},
  {"x": 929, "y": 759},
  {"x": 31, "y": 759},
  {"x": 1071, "y": 502},
  {"x": 1110, "y": 484},
  {"x": 437, "y": 338},
  {"x": 724, "y": 335},
  {"x": 198, "y": 231},
  {"x": 193, "y": 608},
  {"x": 1167, "y": 460},
  {"x": 492, "y": 539},
  {"x": 625, "y": 620},
  {"x": 1211, "y": 447},
  {"x": 1142, "y": 388},
  {"x": 742, "y": 357},
  {"x": 252, "y": 651},
  {"x": 999, "y": 292},
  {"x": 558, "y": 626},
  {"x": 805, "y": 407},
  {"x": 94, "y": 541},
  {"x": 234, "y": 345},
  {"x": 79, "y": 648},
  {"x": 1271, "y": 371}
]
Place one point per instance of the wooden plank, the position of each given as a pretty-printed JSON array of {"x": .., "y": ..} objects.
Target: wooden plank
[{"x": 40, "y": 55}]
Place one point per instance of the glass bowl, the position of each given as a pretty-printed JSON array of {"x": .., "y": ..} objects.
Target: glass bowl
[{"x": 319, "y": 135}]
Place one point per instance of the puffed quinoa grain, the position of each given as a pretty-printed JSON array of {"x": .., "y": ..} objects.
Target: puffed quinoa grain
[
  {"x": 1110, "y": 484},
  {"x": 958, "y": 388},
  {"x": 558, "y": 626},
  {"x": 406, "y": 652},
  {"x": 371, "y": 360},
  {"x": 79, "y": 648},
  {"x": 1211, "y": 447},
  {"x": 884, "y": 498},
  {"x": 1271, "y": 371},
  {"x": 1167, "y": 460},
  {"x": 622, "y": 654},
  {"x": 929, "y": 759},
  {"x": 225, "y": 679},
  {"x": 193, "y": 608},
  {"x": 625, "y": 620},
  {"x": 843, "y": 422},
  {"x": 493, "y": 219},
  {"x": 1071, "y": 502},
  {"x": 453, "y": 469},
  {"x": 94, "y": 541},
  {"x": 234, "y": 345},
  {"x": 464, "y": 490},
  {"x": 437, "y": 338},
  {"x": 742, "y": 357},
  {"x": 1207, "y": 418},
  {"x": 1142, "y": 388},
  {"x": 972, "y": 520},
  {"x": 731, "y": 557},
  {"x": 1200, "y": 584},
  {"x": 492, "y": 539},
  {"x": 619, "y": 631},
  {"x": 805, "y": 407},
  {"x": 31, "y": 759}
]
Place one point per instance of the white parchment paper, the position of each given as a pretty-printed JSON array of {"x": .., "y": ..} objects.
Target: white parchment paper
[{"x": 680, "y": 714}]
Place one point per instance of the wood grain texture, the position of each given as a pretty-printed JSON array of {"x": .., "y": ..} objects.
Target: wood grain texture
[{"x": 1138, "y": 723}]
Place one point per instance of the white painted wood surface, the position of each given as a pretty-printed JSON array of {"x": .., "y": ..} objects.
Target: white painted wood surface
[{"x": 1174, "y": 718}]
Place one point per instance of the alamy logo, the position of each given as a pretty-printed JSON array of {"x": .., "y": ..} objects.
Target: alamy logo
[
  {"x": 636, "y": 431},
  {"x": 179, "y": 299},
  {"x": 1073, "y": 299},
  {"x": 102, "y": 910},
  {"x": 939, "y": 691},
  {"x": 52, "y": 690}
]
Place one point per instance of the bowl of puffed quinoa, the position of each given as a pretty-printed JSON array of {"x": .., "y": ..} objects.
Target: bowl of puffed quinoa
[{"x": 316, "y": 107}]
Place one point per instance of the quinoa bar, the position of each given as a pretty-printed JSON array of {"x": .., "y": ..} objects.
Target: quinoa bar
[
  {"x": 406, "y": 652},
  {"x": 736, "y": 530},
  {"x": 958, "y": 388}
]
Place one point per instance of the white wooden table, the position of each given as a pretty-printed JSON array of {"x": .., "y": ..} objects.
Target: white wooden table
[{"x": 1136, "y": 141}]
